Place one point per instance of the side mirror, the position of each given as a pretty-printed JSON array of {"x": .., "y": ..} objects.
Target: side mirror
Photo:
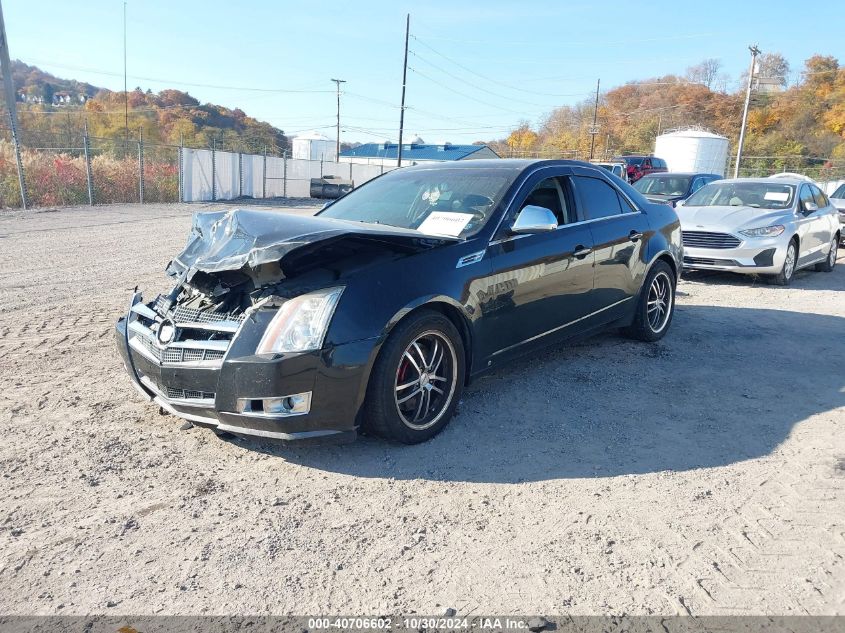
[
  {"x": 679, "y": 203},
  {"x": 534, "y": 219},
  {"x": 810, "y": 207}
]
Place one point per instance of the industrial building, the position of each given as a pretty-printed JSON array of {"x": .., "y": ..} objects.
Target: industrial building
[{"x": 417, "y": 152}]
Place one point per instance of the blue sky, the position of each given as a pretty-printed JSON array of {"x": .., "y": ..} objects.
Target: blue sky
[{"x": 477, "y": 67}]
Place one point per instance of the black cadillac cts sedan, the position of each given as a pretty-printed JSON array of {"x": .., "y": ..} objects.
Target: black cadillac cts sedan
[{"x": 374, "y": 314}]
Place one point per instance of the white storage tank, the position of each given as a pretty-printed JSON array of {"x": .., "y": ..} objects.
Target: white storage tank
[
  {"x": 314, "y": 146},
  {"x": 693, "y": 150}
]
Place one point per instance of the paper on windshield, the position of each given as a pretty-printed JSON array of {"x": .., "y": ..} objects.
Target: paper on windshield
[
  {"x": 445, "y": 223},
  {"x": 777, "y": 196}
]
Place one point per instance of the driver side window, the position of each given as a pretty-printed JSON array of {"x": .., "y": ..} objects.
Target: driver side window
[{"x": 549, "y": 194}]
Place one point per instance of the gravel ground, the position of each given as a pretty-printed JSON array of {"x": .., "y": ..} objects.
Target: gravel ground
[{"x": 703, "y": 474}]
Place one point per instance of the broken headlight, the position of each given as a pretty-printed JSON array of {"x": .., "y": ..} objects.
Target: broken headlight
[{"x": 301, "y": 323}]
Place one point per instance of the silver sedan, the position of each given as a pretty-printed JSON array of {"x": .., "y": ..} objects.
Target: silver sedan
[
  {"x": 838, "y": 200},
  {"x": 768, "y": 226}
]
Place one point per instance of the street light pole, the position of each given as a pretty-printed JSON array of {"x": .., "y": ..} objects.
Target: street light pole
[
  {"x": 125, "y": 90},
  {"x": 754, "y": 52},
  {"x": 337, "y": 149},
  {"x": 11, "y": 105},
  {"x": 594, "y": 129}
]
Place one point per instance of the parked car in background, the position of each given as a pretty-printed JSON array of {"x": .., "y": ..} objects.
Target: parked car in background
[
  {"x": 639, "y": 166},
  {"x": 838, "y": 200},
  {"x": 377, "y": 311},
  {"x": 769, "y": 226},
  {"x": 669, "y": 188},
  {"x": 617, "y": 168},
  {"x": 329, "y": 187}
]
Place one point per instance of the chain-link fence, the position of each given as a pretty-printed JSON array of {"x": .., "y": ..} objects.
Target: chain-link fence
[
  {"x": 61, "y": 170},
  {"x": 74, "y": 168}
]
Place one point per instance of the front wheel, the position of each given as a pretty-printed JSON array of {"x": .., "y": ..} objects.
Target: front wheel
[
  {"x": 827, "y": 265},
  {"x": 656, "y": 305},
  {"x": 784, "y": 277},
  {"x": 417, "y": 379}
]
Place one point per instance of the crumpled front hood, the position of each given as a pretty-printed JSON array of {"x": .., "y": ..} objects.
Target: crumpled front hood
[
  {"x": 230, "y": 240},
  {"x": 728, "y": 218}
]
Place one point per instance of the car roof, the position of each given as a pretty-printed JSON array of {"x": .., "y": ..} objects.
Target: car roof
[
  {"x": 500, "y": 163},
  {"x": 769, "y": 181}
]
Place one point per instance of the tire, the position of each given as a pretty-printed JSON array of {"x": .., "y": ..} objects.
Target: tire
[
  {"x": 784, "y": 277},
  {"x": 417, "y": 379},
  {"x": 652, "y": 320},
  {"x": 827, "y": 265}
]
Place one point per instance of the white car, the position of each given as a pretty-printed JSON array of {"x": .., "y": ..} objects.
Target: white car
[
  {"x": 767, "y": 226},
  {"x": 838, "y": 200}
]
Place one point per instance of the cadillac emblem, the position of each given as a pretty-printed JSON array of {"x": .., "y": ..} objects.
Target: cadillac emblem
[{"x": 166, "y": 332}]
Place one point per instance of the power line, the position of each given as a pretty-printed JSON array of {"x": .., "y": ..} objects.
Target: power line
[{"x": 463, "y": 94}]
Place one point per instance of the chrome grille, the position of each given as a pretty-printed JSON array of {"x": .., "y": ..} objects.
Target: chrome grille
[
  {"x": 201, "y": 337},
  {"x": 705, "y": 261},
  {"x": 707, "y": 239},
  {"x": 181, "y": 314}
]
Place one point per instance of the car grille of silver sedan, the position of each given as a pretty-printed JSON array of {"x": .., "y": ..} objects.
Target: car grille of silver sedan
[{"x": 707, "y": 239}]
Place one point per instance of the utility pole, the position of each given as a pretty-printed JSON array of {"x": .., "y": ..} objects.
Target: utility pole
[
  {"x": 595, "y": 129},
  {"x": 404, "y": 81},
  {"x": 11, "y": 103},
  {"x": 125, "y": 89},
  {"x": 754, "y": 52},
  {"x": 337, "y": 151}
]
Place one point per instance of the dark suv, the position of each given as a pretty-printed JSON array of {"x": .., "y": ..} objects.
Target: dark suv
[{"x": 639, "y": 166}]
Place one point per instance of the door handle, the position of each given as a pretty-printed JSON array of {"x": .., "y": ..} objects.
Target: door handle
[
  {"x": 581, "y": 252},
  {"x": 634, "y": 235}
]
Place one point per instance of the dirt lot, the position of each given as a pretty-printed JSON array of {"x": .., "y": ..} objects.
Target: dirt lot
[{"x": 702, "y": 474}]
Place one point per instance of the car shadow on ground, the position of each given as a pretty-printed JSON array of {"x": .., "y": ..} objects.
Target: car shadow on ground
[{"x": 725, "y": 385}]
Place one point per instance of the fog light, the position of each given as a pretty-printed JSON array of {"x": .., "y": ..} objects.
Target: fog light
[{"x": 296, "y": 404}]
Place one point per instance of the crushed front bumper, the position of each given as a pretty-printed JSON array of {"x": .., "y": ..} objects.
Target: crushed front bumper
[{"x": 207, "y": 381}]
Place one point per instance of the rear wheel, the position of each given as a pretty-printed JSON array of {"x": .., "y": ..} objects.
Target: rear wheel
[
  {"x": 784, "y": 277},
  {"x": 417, "y": 379},
  {"x": 827, "y": 265},
  {"x": 656, "y": 305}
]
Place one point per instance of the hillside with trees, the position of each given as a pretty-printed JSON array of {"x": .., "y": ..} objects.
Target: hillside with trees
[
  {"x": 54, "y": 111},
  {"x": 799, "y": 127}
]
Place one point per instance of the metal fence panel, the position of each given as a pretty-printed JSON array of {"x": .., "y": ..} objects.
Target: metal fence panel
[
  {"x": 275, "y": 177},
  {"x": 196, "y": 174},
  {"x": 226, "y": 170},
  {"x": 253, "y": 175}
]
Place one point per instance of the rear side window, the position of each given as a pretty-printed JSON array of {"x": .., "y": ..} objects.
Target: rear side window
[{"x": 598, "y": 199}]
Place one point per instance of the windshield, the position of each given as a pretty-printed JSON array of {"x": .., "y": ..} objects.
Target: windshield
[
  {"x": 761, "y": 195},
  {"x": 439, "y": 201},
  {"x": 663, "y": 185},
  {"x": 839, "y": 193}
]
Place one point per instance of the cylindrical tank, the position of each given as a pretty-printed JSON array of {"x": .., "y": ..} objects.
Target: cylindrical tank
[
  {"x": 314, "y": 146},
  {"x": 693, "y": 151}
]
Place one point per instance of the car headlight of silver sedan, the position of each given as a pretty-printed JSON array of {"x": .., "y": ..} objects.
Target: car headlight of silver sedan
[
  {"x": 301, "y": 323},
  {"x": 764, "y": 231}
]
